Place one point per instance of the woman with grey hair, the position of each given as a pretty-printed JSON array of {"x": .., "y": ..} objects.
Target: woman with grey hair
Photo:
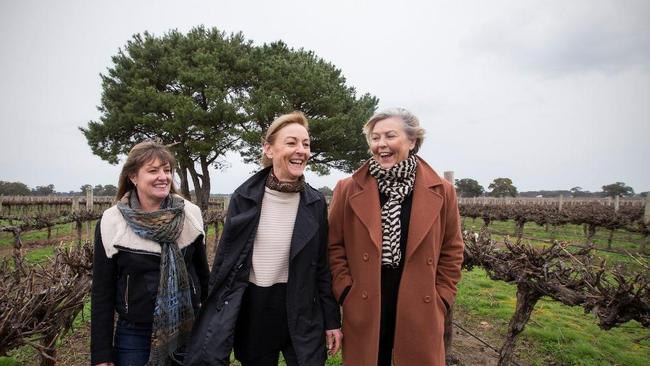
[{"x": 395, "y": 249}]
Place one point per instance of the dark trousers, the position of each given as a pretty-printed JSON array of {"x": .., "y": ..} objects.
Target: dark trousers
[
  {"x": 132, "y": 343},
  {"x": 390, "y": 278},
  {"x": 262, "y": 330}
]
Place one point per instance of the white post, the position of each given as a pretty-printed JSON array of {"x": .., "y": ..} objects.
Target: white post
[
  {"x": 646, "y": 216},
  {"x": 449, "y": 176},
  {"x": 617, "y": 202},
  {"x": 561, "y": 203},
  {"x": 89, "y": 199},
  {"x": 89, "y": 207}
]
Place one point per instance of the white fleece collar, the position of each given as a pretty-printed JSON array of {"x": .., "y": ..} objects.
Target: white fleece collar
[{"x": 116, "y": 232}]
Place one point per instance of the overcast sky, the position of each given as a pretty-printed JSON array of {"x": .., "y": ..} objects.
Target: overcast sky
[{"x": 552, "y": 94}]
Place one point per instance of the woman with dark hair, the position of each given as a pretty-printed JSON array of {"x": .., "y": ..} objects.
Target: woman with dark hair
[
  {"x": 270, "y": 285},
  {"x": 149, "y": 266},
  {"x": 395, "y": 249}
]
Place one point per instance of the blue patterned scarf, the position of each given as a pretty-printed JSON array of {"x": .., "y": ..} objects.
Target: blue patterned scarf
[{"x": 173, "y": 313}]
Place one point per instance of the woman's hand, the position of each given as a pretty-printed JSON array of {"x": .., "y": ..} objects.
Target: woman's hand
[
  {"x": 333, "y": 338},
  {"x": 105, "y": 364}
]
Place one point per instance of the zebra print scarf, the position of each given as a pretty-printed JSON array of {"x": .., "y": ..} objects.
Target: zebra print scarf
[{"x": 396, "y": 183}]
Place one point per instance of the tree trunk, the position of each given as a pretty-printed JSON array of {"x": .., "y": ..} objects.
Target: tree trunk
[
  {"x": 519, "y": 230},
  {"x": 609, "y": 239},
  {"x": 204, "y": 197},
  {"x": 527, "y": 298},
  {"x": 590, "y": 231},
  {"x": 644, "y": 241},
  {"x": 486, "y": 221},
  {"x": 185, "y": 185},
  {"x": 201, "y": 184},
  {"x": 18, "y": 254},
  {"x": 553, "y": 232},
  {"x": 78, "y": 225},
  {"x": 48, "y": 354}
]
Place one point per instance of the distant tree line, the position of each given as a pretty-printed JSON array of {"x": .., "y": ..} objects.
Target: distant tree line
[
  {"x": 504, "y": 187},
  {"x": 21, "y": 189}
]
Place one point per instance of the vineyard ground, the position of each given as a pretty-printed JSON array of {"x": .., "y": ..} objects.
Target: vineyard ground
[
  {"x": 621, "y": 241},
  {"x": 556, "y": 334}
]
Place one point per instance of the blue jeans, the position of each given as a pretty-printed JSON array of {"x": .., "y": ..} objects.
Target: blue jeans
[{"x": 132, "y": 343}]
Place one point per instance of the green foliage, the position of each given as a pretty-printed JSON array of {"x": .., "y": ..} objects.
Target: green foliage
[
  {"x": 85, "y": 187},
  {"x": 288, "y": 80},
  {"x": 618, "y": 189},
  {"x": 8, "y": 361},
  {"x": 468, "y": 187},
  {"x": 107, "y": 190},
  {"x": 502, "y": 187},
  {"x": 326, "y": 191},
  {"x": 43, "y": 190},
  {"x": 207, "y": 92},
  {"x": 13, "y": 189}
]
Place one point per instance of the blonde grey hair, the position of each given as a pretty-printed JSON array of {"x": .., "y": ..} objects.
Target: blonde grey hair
[
  {"x": 280, "y": 123},
  {"x": 411, "y": 125}
]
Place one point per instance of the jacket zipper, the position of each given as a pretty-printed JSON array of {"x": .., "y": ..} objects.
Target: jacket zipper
[
  {"x": 192, "y": 283},
  {"x": 126, "y": 295}
]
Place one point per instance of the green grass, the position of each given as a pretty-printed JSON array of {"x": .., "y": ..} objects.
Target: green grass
[
  {"x": 621, "y": 241},
  {"x": 39, "y": 254},
  {"x": 8, "y": 361},
  {"x": 58, "y": 232},
  {"x": 555, "y": 332}
]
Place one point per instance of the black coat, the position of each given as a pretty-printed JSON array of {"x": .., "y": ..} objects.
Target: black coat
[
  {"x": 311, "y": 308},
  {"x": 127, "y": 284}
]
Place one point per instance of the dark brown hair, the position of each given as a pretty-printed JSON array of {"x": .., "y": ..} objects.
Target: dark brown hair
[{"x": 139, "y": 155}]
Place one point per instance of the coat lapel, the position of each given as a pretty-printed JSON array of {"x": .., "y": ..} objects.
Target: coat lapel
[
  {"x": 365, "y": 204},
  {"x": 306, "y": 224},
  {"x": 426, "y": 206}
]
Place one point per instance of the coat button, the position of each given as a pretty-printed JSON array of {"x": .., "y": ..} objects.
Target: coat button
[
  {"x": 364, "y": 294},
  {"x": 427, "y": 299},
  {"x": 429, "y": 261},
  {"x": 365, "y": 257}
]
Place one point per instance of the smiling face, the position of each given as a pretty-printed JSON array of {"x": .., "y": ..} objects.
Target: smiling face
[
  {"x": 289, "y": 151},
  {"x": 389, "y": 143},
  {"x": 153, "y": 182}
]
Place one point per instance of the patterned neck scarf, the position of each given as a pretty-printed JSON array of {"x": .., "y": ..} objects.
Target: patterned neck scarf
[
  {"x": 396, "y": 183},
  {"x": 288, "y": 187},
  {"x": 173, "y": 314}
]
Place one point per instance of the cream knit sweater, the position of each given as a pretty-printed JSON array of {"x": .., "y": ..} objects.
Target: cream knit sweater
[{"x": 273, "y": 239}]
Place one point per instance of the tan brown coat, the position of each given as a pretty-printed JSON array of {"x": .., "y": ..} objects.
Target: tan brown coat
[{"x": 434, "y": 253}]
